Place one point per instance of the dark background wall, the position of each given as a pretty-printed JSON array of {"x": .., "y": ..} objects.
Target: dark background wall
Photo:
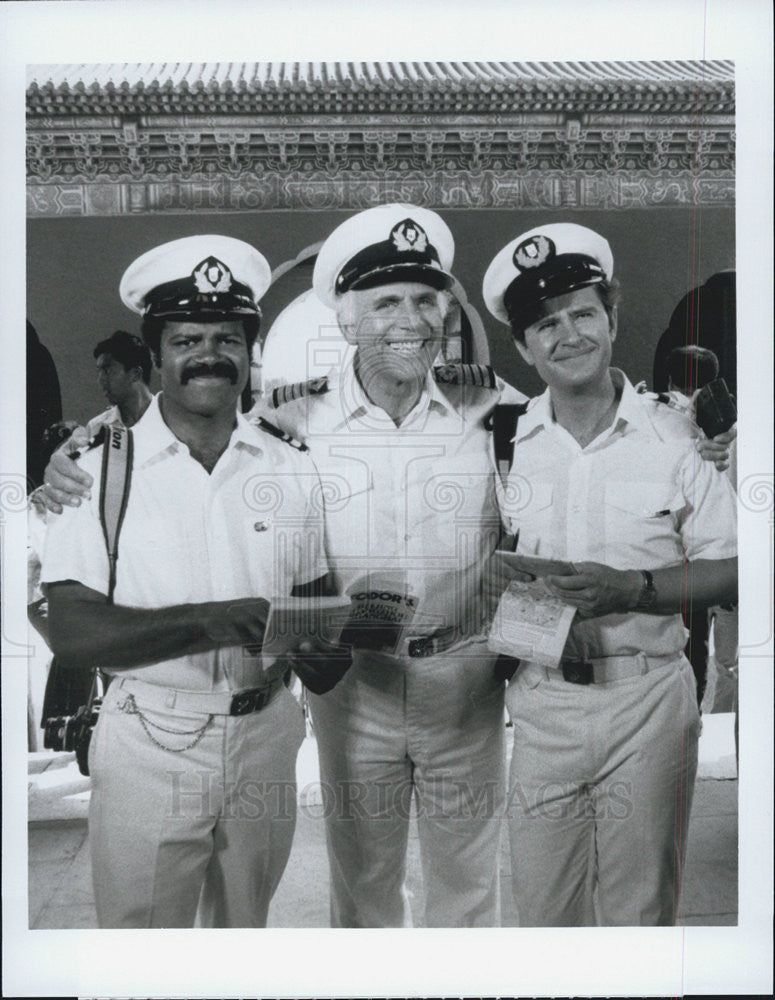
[{"x": 74, "y": 266}]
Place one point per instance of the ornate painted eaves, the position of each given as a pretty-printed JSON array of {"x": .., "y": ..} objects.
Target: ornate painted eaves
[{"x": 137, "y": 138}]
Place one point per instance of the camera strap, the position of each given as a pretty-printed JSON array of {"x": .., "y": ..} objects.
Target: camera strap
[
  {"x": 114, "y": 492},
  {"x": 115, "y": 480}
]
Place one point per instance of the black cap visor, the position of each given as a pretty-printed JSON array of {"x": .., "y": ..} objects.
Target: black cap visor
[
  {"x": 183, "y": 299},
  {"x": 562, "y": 274},
  {"x": 423, "y": 274}
]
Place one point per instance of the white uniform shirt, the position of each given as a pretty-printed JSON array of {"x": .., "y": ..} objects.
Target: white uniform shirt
[
  {"x": 414, "y": 504},
  {"x": 637, "y": 497},
  {"x": 251, "y": 528}
]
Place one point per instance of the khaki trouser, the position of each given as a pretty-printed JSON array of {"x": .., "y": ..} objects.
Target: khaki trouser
[
  {"x": 216, "y": 819},
  {"x": 429, "y": 730},
  {"x": 599, "y": 796}
]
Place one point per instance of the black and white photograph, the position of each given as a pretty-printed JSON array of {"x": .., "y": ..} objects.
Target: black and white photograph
[{"x": 387, "y": 537}]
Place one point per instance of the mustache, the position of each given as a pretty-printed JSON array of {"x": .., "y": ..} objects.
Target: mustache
[{"x": 221, "y": 369}]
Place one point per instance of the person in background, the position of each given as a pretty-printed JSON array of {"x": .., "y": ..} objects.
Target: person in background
[
  {"x": 689, "y": 369},
  {"x": 44, "y": 404},
  {"x": 605, "y": 744},
  {"x": 124, "y": 374},
  {"x": 39, "y": 665}
]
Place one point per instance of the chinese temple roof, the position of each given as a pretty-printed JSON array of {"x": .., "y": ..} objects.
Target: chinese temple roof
[{"x": 398, "y": 87}]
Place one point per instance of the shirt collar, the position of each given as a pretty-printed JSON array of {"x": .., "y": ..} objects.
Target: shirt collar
[
  {"x": 152, "y": 437},
  {"x": 538, "y": 414},
  {"x": 355, "y": 403},
  {"x": 630, "y": 409}
]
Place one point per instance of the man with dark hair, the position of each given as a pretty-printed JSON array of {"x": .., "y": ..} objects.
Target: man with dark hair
[
  {"x": 123, "y": 372},
  {"x": 193, "y": 757},
  {"x": 691, "y": 367},
  {"x": 605, "y": 480}
]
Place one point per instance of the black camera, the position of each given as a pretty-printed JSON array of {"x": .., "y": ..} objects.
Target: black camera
[
  {"x": 73, "y": 733},
  {"x": 714, "y": 408}
]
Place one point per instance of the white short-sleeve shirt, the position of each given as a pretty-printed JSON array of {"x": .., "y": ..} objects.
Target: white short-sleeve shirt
[
  {"x": 415, "y": 502},
  {"x": 251, "y": 528},
  {"x": 637, "y": 497}
]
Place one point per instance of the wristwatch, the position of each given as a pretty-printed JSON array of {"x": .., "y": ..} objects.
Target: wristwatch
[{"x": 648, "y": 593}]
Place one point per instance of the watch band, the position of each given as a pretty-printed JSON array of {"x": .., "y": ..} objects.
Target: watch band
[{"x": 648, "y": 594}]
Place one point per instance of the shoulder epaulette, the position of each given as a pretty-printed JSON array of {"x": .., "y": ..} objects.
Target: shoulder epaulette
[
  {"x": 264, "y": 425},
  {"x": 662, "y": 397},
  {"x": 286, "y": 393},
  {"x": 460, "y": 374}
]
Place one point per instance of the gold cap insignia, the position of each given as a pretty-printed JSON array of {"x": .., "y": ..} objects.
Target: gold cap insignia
[
  {"x": 407, "y": 235},
  {"x": 211, "y": 276},
  {"x": 533, "y": 252}
]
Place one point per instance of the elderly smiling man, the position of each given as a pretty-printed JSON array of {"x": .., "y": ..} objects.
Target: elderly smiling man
[{"x": 403, "y": 453}]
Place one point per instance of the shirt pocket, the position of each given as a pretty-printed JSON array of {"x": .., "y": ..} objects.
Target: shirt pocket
[
  {"x": 451, "y": 508},
  {"x": 644, "y": 517},
  {"x": 528, "y": 509},
  {"x": 348, "y": 503}
]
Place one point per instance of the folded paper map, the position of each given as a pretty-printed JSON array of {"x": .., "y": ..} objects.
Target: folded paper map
[{"x": 531, "y": 624}]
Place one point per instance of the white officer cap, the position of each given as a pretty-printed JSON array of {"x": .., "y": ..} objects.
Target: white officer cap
[
  {"x": 381, "y": 245},
  {"x": 199, "y": 276},
  {"x": 544, "y": 262}
]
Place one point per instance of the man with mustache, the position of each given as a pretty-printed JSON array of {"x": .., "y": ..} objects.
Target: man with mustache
[
  {"x": 193, "y": 756},
  {"x": 605, "y": 744}
]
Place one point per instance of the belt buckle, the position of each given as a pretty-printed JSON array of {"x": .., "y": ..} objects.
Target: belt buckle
[
  {"x": 245, "y": 702},
  {"x": 422, "y": 646},
  {"x": 578, "y": 672}
]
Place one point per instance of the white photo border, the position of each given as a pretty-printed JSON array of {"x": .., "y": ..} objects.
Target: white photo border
[{"x": 656, "y": 961}]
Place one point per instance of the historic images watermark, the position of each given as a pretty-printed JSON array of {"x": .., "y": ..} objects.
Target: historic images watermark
[{"x": 446, "y": 799}]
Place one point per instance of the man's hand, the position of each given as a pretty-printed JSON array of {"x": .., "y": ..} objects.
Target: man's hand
[
  {"x": 598, "y": 590},
  {"x": 64, "y": 483},
  {"x": 319, "y": 665},
  {"x": 496, "y": 577},
  {"x": 716, "y": 449}
]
